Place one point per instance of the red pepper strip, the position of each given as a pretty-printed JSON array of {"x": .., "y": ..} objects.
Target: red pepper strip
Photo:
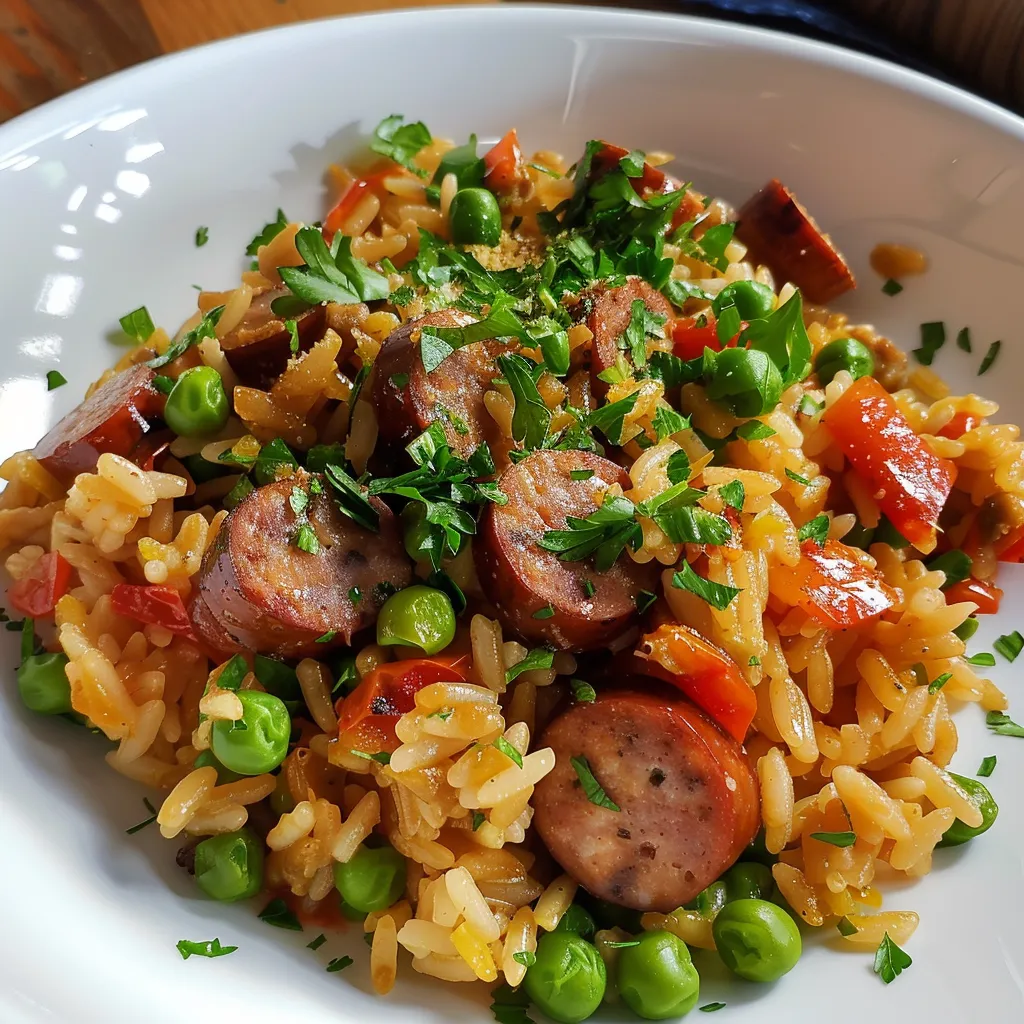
[
  {"x": 689, "y": 340},
  {"x": 36, "y": 594},
  {"x": 1013, "y": 549},
  {"x": 959, "y": 425},
  {"x": 153, "y": 604},
  {"x": 908, "y": 480},
  {"x": 503, "y": 164},
  {"x": 831, "y": 585},
  {"x": 351, "y": 198},
  {"x": 368, "y": 715},
  {"x": 985, "y": 595},
  {"x": 706, "y": 674}
]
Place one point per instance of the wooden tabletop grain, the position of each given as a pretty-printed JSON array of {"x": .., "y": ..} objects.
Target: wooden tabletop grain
[{"x": 48, "y": 47}]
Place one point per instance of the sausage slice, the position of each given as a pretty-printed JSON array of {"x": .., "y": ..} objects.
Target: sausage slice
[
  {"x": 409, "y": 399},
  {"x": 569, "y": 605},
  {"x": 608, "y": 312},
  {"x": 114, "y": 418},
  {"x": 688, "y": 800},
  {"x": 258, "y": 349},
  {"x": 782, "y": 235},
  {"x": 257, "y": 591}
]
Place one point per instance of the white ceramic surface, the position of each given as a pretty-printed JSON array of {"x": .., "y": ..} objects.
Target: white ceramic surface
[{"x": 100, "y": 195}]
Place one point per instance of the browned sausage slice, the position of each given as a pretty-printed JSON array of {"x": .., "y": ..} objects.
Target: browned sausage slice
[
  {"x": 114, "y": 418},
  {"x": 688, "y": 800},
  {"x": 569, "y": 605},
  {"x": 781, "y": 234},
  {"x": 608, "y": 312},
  {"x": 259, "y": 347},
  {"x": 409, "y": 399},
  {"x": 257, "y": 591}
]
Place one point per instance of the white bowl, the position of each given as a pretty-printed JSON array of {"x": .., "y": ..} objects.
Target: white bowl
[{"x": 100, "y": 196}]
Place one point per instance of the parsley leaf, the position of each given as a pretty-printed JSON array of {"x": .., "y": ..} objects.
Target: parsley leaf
[
  {"x": 401, "y": 142},
  {"x": 137, "y": 324},
  {"x": 816, "y": 530},
  {"x": 783, "y": 338},
  {"x": 956, "y": 565},
  {"x": 531, "y": 417},
  {"x": 840, "y": 839},
  {"x": 306, "y": 539},
  {"x": 202, "y": 236},
  {"x": 292, "y": 327},
  {"x": 380, "y": 756},
  {"x": 351, "y": 499},
  {"x": 317, "y": 942},
  {"x": 990, "y": 357},
  {"x": 267, "y": 234},
  {"x": 546, "y": 612},
  {"x": 933, "y": 337},
  {"x": 501, "y": 744},
  {"x": 754, "y": 430},
  {"x": 644, "y": 600},
  {"x": 276, "y": 912},
  {"x": 603, "y": 534},
  {"x": 55, "y": 379},
  {"x": 718, "y": 595},
  {"x": 711, "y": 1007},
  {"x": 1009, "y": 645},
  {"x": 298, "y": 500},
  {"x": 438, "y": 343},
  {"x": 204, "y": 329},
  {"x": 332, "y": 274},
  {"x": 210, "y": 948},
  {"x": 539, "y": 657},
  {"x": 987, "y": 767},
  {"x": 890, "y": 960},
  {"x": 846, "y": 927},
  {"x": 142, "y": 824},
  {"x": 1002, "y": 725},
  {"x": 667, "y": 422},
  {"x": 478, "y": 819},
  {"x": 339, "y": 963},
  {"x": 582, "y": 692},
  {"x": 592, "y": 789},
  {"x": 525, "y": 957},
  {"x": 892, "y": 287},
  {"x": 510, "y": 1005},
  {"x": 798, "y": 478},
  {"x": 609, "y": 418},
  {"x": 733, "y": 494},
  {"x": 939, "y": 682},
  {"x": 963, "y": 339},
  {"x": 982, "y": 660}
]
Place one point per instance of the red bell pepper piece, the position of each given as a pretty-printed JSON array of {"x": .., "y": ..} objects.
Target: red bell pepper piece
[
  {"x": 153, "y": 604},
  {"x": 351, "y": 198},
  {"x": 503, "y": 164},
  {"x": 706, "y": 674},
  {"x": 36, "y": 594},
  {"x": 959, "y": 425},
  {"x": 986, "y": 596},
  {"x": 369, "y": 713},
  {"x": 689, "y": 340},
  {"x": 831, "y": 585},
  {"x": 909, "y": 481}
]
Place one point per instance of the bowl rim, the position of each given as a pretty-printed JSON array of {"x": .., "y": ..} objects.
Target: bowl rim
[{"x": 37, "y": 124}]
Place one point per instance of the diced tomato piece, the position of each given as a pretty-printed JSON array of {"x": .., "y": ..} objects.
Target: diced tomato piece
[
  {"x": 908, "y": 480},
  {"x": 503, "y": 164},
  {"x": 351, "y": 198},
  {"x": 984, "y": 594},
  {"x": 36, "y": 594},
  {"x": 689, "y": 340},
  {"x": 652, "y": 180},
  {"x": 367, "y": 716},
  {"x": 831, "y": 585},
  {"x": 153, "y": 604},
  {"x": 959, "y": 425},
  {"x": 706, "y": 674}
]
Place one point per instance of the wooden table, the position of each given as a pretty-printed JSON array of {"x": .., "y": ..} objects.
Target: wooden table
[{"x": 48, "y": 47}]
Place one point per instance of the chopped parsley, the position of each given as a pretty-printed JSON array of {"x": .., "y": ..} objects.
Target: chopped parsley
[
  {"x": 339, "y": 963},
  {"x": 381, "y": 756},
  {"x": 609, "y": 419},
  {"x": 142, "y": 824},
  {"x": 982, "y": 660},
  {"x": 292, "y": 327},
  {"x": 816, "y": 530},
  {"x": 956, "y": 565},
  {"x": 210, "y": 948},
  {"x": 55, "y": 379},
  {"x": 355, "y": 595},
  {"x": 204, "y": 329},
  {"x": 718, "y": 595},
  {"x": 1009, "y": 645},
  {"x": 306, "y": 539},
  {"x": 525, "y": 957},
  {"x": 510, "y": 1005},
  {"x": 202, "y": 236},
  {"x": 1002, "y": 725},
  {"x": 478, "y": 819},
  {"x": 892, "y": 287},
  {"x": 798, "y": 478},
  {"x": 933, "y": 337},
  {"x": 531, "y": 417},
  {"x": 137, "y": 324},
  {"x": 326, "y": 638},
  {"x": 501, "y": 744},
  {"x": 580, "y": 474},
  {"x": 298, "y": 500},
  {"x": 939, "y": 682},
  {"x": 840, "y": 839},
  {"x": 401, "y": 142},
  {"x": 582, "y": 692},
  {"x": 733, "y": 494},
  {"x": 351, "y": 499},
  {"x": 331, "y": 274},
  {"x": 317, "y": 942},
  {"x": 539, "y": 657},
  {"x": 546, "y": 612},
  {"x": 592, "y": 789},
  {"x": 963, "y": 339},
  {"x": 644, "y": 600},
  {"x": 753, "y": 660},
  {"x": 588, "y": 588},
  {"x": 987, "y": 766},
  {"x": 267, "y": 234},
  {"x": 754, "y": 430},
  {"x": 399, "y": 380},
  {"x": 624, "y": 945},
  {"x": 890, "y": 960},
  {"x": 846, "y": 927},
  {"x": 165, "y": 385},
  {"x": 667, "y": 422},
  {"x": 990, "y": 357},
  {"x": 442, "y": 713}
]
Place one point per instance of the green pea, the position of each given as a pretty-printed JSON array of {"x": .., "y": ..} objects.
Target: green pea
[
  {"x": 656, "y": 978},
  {"x": 230, "y": 867},
  {"x": 568, "y": 979},
  {"x": 748, "y": 880},
  {"x": 753, "y": 300},
  {"x": 258, "y": 741},
  {"x": 709, "y": 901},
  {"x": 417, "y": 617},
  {"x": 578, "y": 921},
  {"x": 43, "y": 685},
  {"x": 206, "y": 759},
  {"x": 958, "y": 833},
  {"x": 757, "y": 940},
  {"x": 372, "y": 879},
  {"x": 197, "y": 404},
  {"x": 747, "y": 379},
  {"x": 844, "y": 354},
  {"x": 474, "y": 217}
]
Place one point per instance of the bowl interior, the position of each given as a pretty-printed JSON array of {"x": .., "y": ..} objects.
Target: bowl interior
[{"x": 101, "y": 194}]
